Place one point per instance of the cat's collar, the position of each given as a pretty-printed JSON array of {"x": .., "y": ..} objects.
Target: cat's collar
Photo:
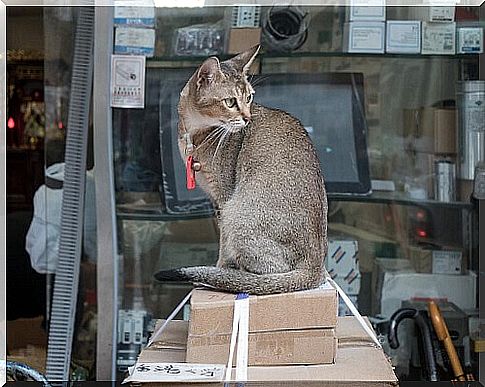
[{"x": 189, "y": 146}]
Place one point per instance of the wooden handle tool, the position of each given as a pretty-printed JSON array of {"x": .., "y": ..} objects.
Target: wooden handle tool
[{"x": 444, "y": 336}]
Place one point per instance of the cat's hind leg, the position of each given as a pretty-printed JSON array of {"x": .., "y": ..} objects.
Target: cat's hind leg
[{"x": 264, "y": 256}]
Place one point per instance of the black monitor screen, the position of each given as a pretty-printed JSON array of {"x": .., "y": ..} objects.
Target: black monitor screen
[{"x": 330, "y": 107}]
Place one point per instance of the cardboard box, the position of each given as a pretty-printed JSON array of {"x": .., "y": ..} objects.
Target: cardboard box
[
  {"x": 469, "y": 40},
  {"x": 430, "y": 130},
  {"x": 438, "y": 38},
  {"x": 342, "y": 264},
  {"x": 242, "y": 39},
  {"x": 349, "y": 370},
  {"x": 403, "y": 36},
  {"x": 400, "y": 284},
  {"x": 305, "y": 347},
  {"x": 211, "y": 312},
  {"x": 448, "y": 261},
  {"x": 23, "y": 332},
  {"x": 171, "y": 345},
  {"x": 365, "y": 37}
]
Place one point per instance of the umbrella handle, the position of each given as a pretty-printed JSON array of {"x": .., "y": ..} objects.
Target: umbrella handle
[{"x": 444, "y": 336}]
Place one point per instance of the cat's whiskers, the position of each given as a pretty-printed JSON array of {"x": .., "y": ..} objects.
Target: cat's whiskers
[
  {"x": 214, "y": 134},
  {"x": 226, "y": 132}
]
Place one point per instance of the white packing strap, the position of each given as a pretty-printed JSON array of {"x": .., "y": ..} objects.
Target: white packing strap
[
  {"x": 243, "y": 337},
  {"x": 241, "y": 312},
  {"x": 160, "y": 330},
  {"x": 354, "y": 311}
]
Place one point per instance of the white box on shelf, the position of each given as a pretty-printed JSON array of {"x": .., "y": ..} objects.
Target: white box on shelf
[
  {"x": 396, "y": 286},
  {"x": 469, "y": 40},
  {"x": 403, "y": 36},
  {"x": 365, "y": 37},
  {"x": 441, "y": 14},
  {"x": 343, "y": 264},
  {"x": 367, "y": 10},
  {"x": 438, "y": 38}
]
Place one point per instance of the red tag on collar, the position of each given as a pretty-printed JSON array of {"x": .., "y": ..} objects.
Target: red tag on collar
[{"x": 190, "y": 173}]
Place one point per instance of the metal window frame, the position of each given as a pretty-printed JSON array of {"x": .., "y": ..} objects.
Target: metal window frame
[{"x": 107, "y": 267}]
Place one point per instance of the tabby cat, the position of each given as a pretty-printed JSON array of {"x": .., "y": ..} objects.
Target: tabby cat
[{"x": 262, "y": 173}]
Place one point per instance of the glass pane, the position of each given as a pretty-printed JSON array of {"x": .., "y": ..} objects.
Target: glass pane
[{"x": 407, "y": 226}]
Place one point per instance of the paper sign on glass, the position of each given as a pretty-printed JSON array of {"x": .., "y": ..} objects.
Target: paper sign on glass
[{"x": 128, "y": 81}]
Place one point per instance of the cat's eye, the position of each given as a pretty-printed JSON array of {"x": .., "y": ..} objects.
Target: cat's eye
[
  {"x": 249, "y": 98},
  {"x": 230, "y": 102}
]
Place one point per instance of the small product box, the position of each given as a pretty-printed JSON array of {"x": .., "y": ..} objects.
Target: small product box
[
  {"x": 343, "y": 265},
  {"x": 242, "y": 39},
  {"x": 134, "y": 41},
  {"x": 469, "y": 40},
  {"x": 438, "y": 38},
  {"x": 133, "y": 16},
  {"x": 447, "y": 262},
  {"x": 403, "y": 36},
  {"x": 365, "y": 37},
  {"x": 441, "y": 14},
  {"x": 357, "y": 12}
]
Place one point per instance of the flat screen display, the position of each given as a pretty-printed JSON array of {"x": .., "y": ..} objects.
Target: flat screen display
[{"x": 330, "y": 107}]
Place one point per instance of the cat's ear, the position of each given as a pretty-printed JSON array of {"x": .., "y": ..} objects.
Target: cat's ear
[
  {"x": 244, "y": 60},
  {"x": 208, "y": 72}
]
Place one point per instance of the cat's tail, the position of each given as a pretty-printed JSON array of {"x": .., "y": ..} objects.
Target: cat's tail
[{"x": 237, "y": 281}]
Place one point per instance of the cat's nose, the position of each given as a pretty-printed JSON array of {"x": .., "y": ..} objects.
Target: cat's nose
[{"x": 246, "y": 116}]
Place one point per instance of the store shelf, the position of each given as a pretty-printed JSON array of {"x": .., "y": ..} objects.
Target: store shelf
[
  {"x": 171, "y": 61},
  {"x": 156, "y": 212},
  {"x": 153, "y": 212},
  {"x": 399, "y": 198}
]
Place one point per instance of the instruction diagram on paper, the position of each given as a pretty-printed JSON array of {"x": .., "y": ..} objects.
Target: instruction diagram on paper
[{"x": 128, "y": 81}]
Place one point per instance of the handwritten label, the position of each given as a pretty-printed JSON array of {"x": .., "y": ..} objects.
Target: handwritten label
[{"x": 175, "y": 372}]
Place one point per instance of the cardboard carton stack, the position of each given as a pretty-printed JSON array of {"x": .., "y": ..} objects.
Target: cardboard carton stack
[
  {"x": 358, "y": 362},
  {"x": 284, "y": 329}
]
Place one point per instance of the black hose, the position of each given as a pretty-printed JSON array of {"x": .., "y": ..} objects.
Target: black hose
[{"x": 426, "y": 340}]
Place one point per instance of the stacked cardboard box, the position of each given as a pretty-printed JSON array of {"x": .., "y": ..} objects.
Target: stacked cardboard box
[
  {"x": 358, "y": 362},
  {"x": 292, "y": 328}
]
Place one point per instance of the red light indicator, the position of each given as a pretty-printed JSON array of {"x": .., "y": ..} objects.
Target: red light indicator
[
  {"x": 11, "y": 123},
  {"x": 59, "y": 125},
  {"x": 422, "y": 233}
]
